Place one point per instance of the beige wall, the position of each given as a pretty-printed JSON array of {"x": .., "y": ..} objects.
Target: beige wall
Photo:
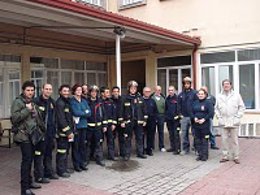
[{"x": 219, "y": 22}]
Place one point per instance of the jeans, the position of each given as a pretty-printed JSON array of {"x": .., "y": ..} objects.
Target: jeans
[
  {"x": 185, "y": 128},
  {"x": 212, "y": 138}
]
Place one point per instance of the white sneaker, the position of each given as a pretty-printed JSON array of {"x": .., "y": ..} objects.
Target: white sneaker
[{"x": 163, "y": 150}]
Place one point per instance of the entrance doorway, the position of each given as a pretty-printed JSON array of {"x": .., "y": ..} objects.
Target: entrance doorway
[{"x": 133, "y": 70}]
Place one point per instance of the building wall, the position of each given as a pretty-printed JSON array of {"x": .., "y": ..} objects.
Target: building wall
[{"x": 217, "y": 22}]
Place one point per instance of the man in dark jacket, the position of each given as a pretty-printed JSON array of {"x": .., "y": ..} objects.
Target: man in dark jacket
[
  {"x": 111, "y": 121},
  {"x": 97, "y": 124},
  {"x": 43, "y": 153},
  {"x": 26, "y": 120},
  {"x": 173, "y": 121},
  {"x": 185, "y": 100},
  {"x": 150, "y": 127},
  {"x": 133, "y": 116},
  {"x": 64, "y": 130}
]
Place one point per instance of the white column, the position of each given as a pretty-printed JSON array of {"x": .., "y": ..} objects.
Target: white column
[{"x": 118, "y": 61}]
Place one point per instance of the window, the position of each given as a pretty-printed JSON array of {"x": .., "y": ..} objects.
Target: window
[
  {"x": 218, "y": 57},
  {"x": 130, "y": 3},
  {"x": 225, "y": 72},
  {"x": 37, "y": 78},
  {"x": 249, "y": 54},
  {"x": 208, "y": 79},
  {"x": 161, "y": 79},
  {"x": 247, "y": 84},
  {"x": 99, "y": 3}
]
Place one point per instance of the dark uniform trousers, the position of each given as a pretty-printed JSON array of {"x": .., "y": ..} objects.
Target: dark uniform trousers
[
  {"x": 82, "y": 147},
  {"x": 121, "y": 139},
  {"x": 109, "y": 134},
  {"x": 201, "y": 140},
  {"x": 47, "y": 160},
  {"x": 75, "y": 151},
  {"x": 27, "y": 150},
  {"x": 95, "y": 133},
  {"x": 38, "y": 160},
  {"x": 174, "y": 134},
  {"x": 150, "y": 130},
  {"x": 62, "y": 155},
  {"x": 138, "y": 130}
]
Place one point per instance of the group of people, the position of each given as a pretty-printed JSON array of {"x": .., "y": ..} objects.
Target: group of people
[{"x": 84, "y": 116}]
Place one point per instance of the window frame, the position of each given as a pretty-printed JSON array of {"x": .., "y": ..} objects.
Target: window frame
[{"x": 130, "y": 5}]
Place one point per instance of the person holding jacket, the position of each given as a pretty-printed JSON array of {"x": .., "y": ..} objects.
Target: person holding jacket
[
  {"x": 173, "y": 121},
  {"x": 201, "y": 113},
  {"x": 80, "y": 112},
  {"x": 27, "y": 123},
  {"x": 43, "y": 153},
  {"x": 97, "y": 125},
  {"x": 229, "y": 111},
  {"x": 65, "y": 129},
  {"x": 133, "y": 117}
]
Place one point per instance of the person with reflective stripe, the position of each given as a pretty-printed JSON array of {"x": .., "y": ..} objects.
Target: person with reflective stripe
[
  {"x": 110, "y": 111},
  {"x": 47, "y": 109},
  {"x": 134, "y": 114},
  {"x": 80, "y": 111},
  {"x": 201, "y": 112},
  {"x": 64, "y": 130},
  {"x": 97, "y": 125}
]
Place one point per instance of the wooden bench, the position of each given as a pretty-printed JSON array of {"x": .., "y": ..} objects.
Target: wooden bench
[{"x": 5, "y": 132}]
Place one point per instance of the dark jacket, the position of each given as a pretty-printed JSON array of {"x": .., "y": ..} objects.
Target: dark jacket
[
  {"x": 202, "y": 109},
  {"x": 65, "y": 124},
  {"x": 212, "y": 99},
  {"x": 98, "y": 115},
  {"x": 117, "y": 106},
  {"x": 48, "y": 113},
  {"x": 110, "y": 111},
  {"x": 25, "y": 122},
  {"x": 185, "y": 100},
  {"x": 80, "y": 111},
  {"x": 151, "y": 108},
  {"x": 171, "y": 109},
  {"x": 133, "y": 108}
]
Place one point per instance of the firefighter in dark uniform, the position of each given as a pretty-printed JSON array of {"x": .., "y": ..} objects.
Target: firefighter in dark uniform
[
  {"x": 133, "y": 113},
  {"x": 64, "y": 130},
  {"x": 97, "y": 125},
  {"x": 111, "y": 121},
  {"x": 173, "y": 121},
  {"x": 43, "y": 152},
  {"x": 150, "y": 127},
  {"x": 117, "y": 100},
  {"x": 201, "y": 113}
]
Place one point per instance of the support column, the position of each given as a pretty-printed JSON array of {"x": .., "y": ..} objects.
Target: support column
[
  {"x": 195, "y": 67},
  {"x": 150, "y": 70},
  {"x": 25, "y": 67},
  {"x": 111, "y": 71},
  {"x": 118, "y": 61}
]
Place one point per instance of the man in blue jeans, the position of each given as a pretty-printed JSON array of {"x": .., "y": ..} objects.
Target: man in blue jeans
[
  {"x": 160, "y": 103},
  {"x": 185, "y": 100}
]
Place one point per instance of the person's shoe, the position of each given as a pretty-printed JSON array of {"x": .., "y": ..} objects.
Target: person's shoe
[
  {"x": 54, "y": 176},
  {"x": 28, "y": 192},
  {"x": 236, "y": 161},
  {"x": 169, "y": 150},
  {"x": 214, "y": 148},
  {"x": 126, "y": 158},
  {"x": 69, "y": 171},
  {"x": 34, "y": 185},
  {"x": 43, "y": 180},
  {"x": 198, "y": 158},
  {"x": 101, "y": 163},
  {"x": 163, "y": 150},
  {"x": 77, "y": 169},
  {"x": 223, "y": 160},
  {"x": 141, "y": 156},
  {"x": 64, "y": 175},
  {"x": 111, "y": 158},
  {"x": 176, "y": 153},
  {"x": 203, "y": 159},
  {"x": 150, "y": 153},
  {"x": 84, "y": 168},
  {"x": 184, "y": 152}
]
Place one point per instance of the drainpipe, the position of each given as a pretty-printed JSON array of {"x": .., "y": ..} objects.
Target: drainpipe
[
  {"x": 194, "y": 66},
  {"x": 118, "y": 61}
]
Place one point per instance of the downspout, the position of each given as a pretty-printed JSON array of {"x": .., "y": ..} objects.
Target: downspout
[{"x": 195, "y": 66}]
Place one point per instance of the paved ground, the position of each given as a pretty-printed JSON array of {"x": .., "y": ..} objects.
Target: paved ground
[{"x": 163, "y": 174}]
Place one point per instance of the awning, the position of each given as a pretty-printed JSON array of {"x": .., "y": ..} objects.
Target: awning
[{"x": 64, "y": 24}]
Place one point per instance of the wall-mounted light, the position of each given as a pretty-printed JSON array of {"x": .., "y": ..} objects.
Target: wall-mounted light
[{"x": 120, "y": 31}]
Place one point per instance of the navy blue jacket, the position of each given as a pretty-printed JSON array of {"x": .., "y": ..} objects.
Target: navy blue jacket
[
  {"x": 185, "y": 100},
  {"x": 171, "y": 109},
  {"x": 48, "y": 114},
  {"x": 98, "y": 114},
  {"x": 80, "y": 110},
  {"x": 151, "y": 107},
  {"x": 117, "y": 106},
  {"x": 202, "y": 109},
  {"x": 110, "y": 111}
]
